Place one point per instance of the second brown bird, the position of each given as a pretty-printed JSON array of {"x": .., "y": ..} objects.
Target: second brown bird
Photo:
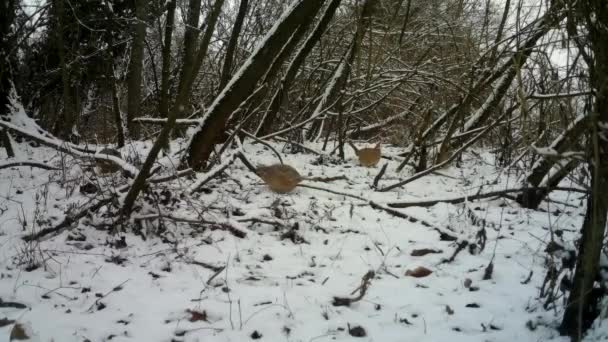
[{"x": 280, "y": 178}]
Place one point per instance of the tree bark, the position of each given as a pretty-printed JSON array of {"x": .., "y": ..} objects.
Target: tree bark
[
  {"x": 290, "y": 75},
  {"x": 343, "y": 70},
  {"x": 65, "y": 123},
  {"x": 163, "y": 106},
  {"x": 531, "y": 197},
  {"x": 136, "y": 62},
  {"x": 508, "y": 72},
  {"x": 190, "y": 40},
  {"x": 254, "y": 101},
  {"x": 162, "y": 140},
  {"x": 583, "y": 301},
  {"x": 232, "y": 45},
  {"x": 7, "y": 15},
  {"x": 191, "y": 70},
  {"x": 241, "y": 85}
]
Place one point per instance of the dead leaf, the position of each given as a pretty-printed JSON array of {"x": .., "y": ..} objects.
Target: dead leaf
[
  {"x": 196, "y": 316},
  {"x": 449, "y": 310},
  {"x": 18, "y": 333},
  {"x": 356, "y": 331},
  {"x": 418, "y": 272},
  {"x": 468, "y": 282},
  {"x": 423, "y": 252}
]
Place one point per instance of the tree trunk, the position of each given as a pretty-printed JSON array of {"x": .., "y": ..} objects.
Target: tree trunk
[
  {"x": 199, "y": 56},
  {"x": 65, "y": 123},
  {"x": 162, "y": 140},
  {"x": 507, "y": 76},
  {"x": 583, "y": 300},
  {"x": 163, "y": 106},
  {"x": 567, "y": 141},
  {"x": 118, "y": 118},
  {"x": 136, "y": 62},
  {"x": 290, "y": 75},
  {"x": 343, "y": 70},
  {"x": 253, "y": 102},
  {"x": 190, "y": 40},
  {"x": 232, "y": 45},
  {"x": 7, "y": 15},
  {"x": 239, "y": 88}
]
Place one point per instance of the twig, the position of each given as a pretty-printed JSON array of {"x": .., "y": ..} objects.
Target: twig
[
  {"x": 365, "y": 283},
  {"x": 114, "y": 289},
  {"x": 214, "y": 172},
  {"x": 68, "y": 221},
  {"x": 444, "y": 163},
  {"x": 27, "y": 163},
  {"x": 379, "y": 176},
  {"x": 455, "y": 200},
  {"x": 220, "y": 270},
  {"x": 199, "y": 222},
  {"x": 65, "y": 147}
]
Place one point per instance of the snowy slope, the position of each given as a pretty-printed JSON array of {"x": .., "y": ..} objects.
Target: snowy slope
[{"x": 272, "y": 289}]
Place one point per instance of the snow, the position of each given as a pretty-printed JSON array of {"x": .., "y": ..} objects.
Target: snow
[{"x": 275, "y": 287}]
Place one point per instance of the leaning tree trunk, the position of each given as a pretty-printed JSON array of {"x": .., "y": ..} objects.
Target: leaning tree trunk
[
  {"x": 241, "y": 85},
  {"x": 498, "y": 92},
  {"x": 583, "y": 303},
  {"x": 270, "y": 114},
  {"x": 254, "y": 101},
  {"x": 136, "y": 62},
  {"x": 532, "y": 196}
]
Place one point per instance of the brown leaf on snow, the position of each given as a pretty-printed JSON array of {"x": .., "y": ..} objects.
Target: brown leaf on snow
[
  {"x": 418, "y": 272},
  {"x": 449, "y": 310},
  {"x": 18, "y": 333},
  {"x": 423, "y": 252},
  {"x": 468, "y": 282},
  {"x": 196, "y": 316}
]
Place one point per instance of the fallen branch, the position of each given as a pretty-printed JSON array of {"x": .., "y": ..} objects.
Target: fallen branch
[
  {"x": 197, "y": 222},
  {"x": 365, "y": 283},
  {"x": 473, "y": 197},
  {"x": 444, "y": 235},
  {"x": 209, "y": 175},
  {"x": 459, "y": 248},
  {"x": 444, "y": 163},
  {"x": 65, "y": 147},
  {"x": 27, "y": 163},
  {"x": 68, "y": 221},
  {"x": 168, "y": 178},
  {"x": 114, "y": 289},
  {"x": 379, "y": 176}
]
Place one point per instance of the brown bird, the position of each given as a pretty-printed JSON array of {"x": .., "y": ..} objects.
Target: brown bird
[
  {"x": 369, "y": 156},
  {"x": 279, "y": 177}
]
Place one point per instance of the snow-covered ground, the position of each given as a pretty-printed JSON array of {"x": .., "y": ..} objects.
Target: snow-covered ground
[{"x": 192, "y": 283}]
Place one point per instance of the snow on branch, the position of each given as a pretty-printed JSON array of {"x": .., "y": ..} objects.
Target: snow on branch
[{"x": 64, "y": 147}]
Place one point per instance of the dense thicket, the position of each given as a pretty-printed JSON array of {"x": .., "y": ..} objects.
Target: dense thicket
[{"x": 434, "y": 77}]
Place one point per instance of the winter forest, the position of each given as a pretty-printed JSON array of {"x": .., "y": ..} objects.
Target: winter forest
[{"x": 303, "y": 170}]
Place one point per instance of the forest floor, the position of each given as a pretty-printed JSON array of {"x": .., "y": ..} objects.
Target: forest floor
[{"x": 187, "y": 282}]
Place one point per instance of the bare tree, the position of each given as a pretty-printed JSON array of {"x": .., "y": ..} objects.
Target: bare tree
[
  {"x": 244, "y": 81},
  {"x": 7, "y": 13},
  {"x": 582, "y": 308}
]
